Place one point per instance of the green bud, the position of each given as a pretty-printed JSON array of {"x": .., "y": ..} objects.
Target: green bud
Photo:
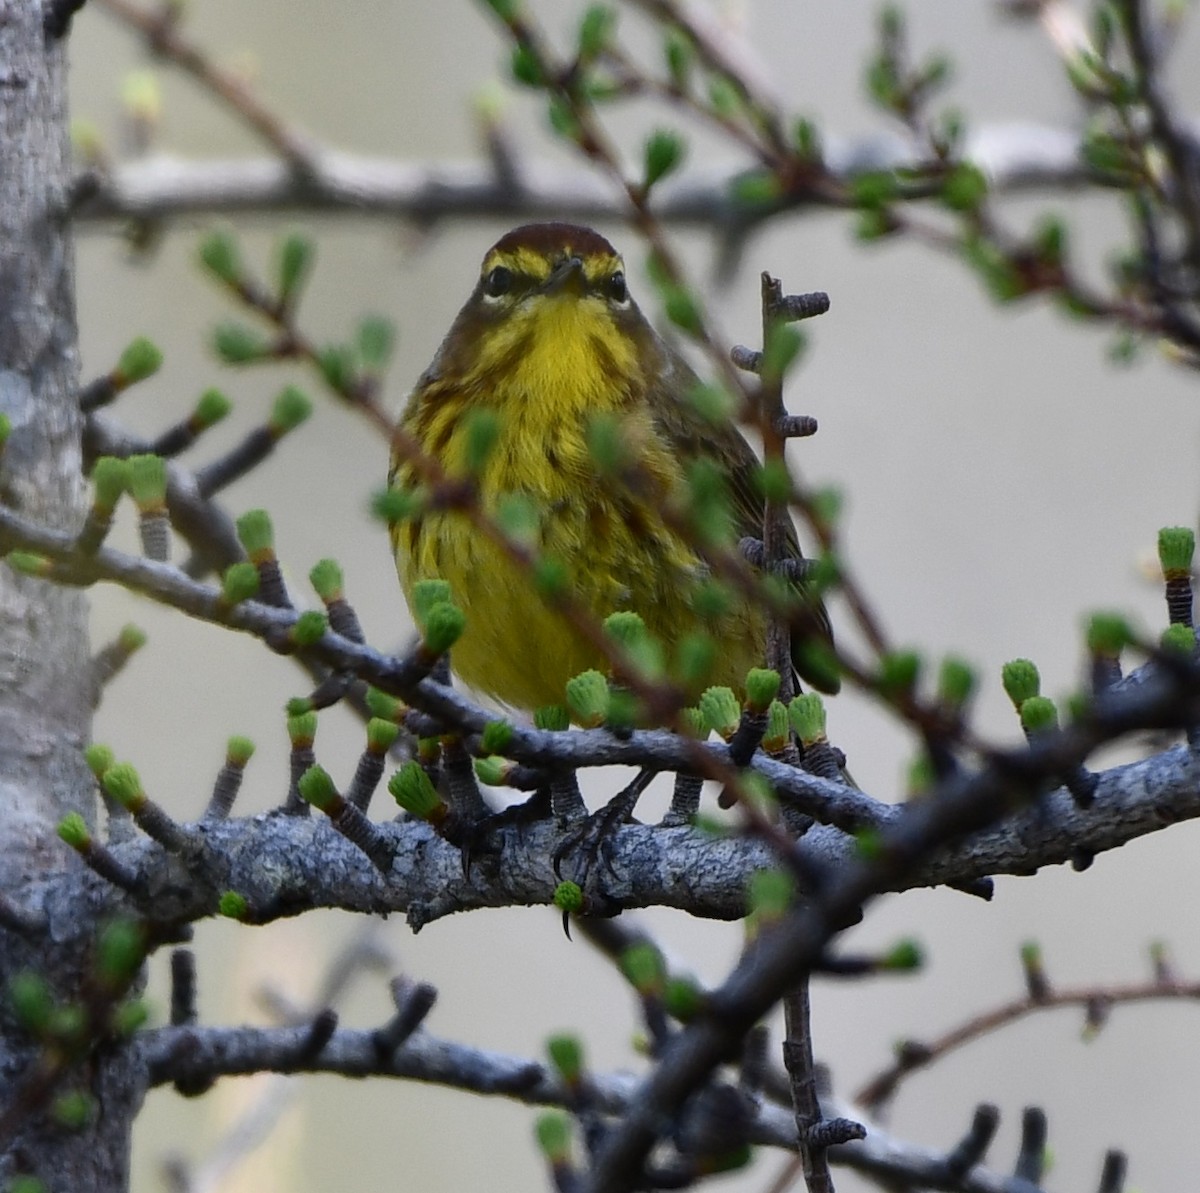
[
  {"x": 73, "y": 1110},
  {"x": 680, "y": 54},
  {"x": 711, "y": 599},
  {"x": 695, "y": 657},
  {"x": 553, "y": 717},
  {"x": 123, "y": 784},
  {"x": 1108, "y": 634},
  {"x": 381, "y": 705},
  {"x": 1038, "y": 714},
  {"x": 506, "y": 10},
  {"x": 212, "y": 406},
  {"x": 664, "y": 152},
  {"x": 806, "y": 140},
  {"x": 31, "y": 1000},
  {"x": 482, "y": 429},
  {"x": 898, "y": 672},
  {"x": 22, "y": 1182},
  {"x": 5, "y": 430},
  {"x": 493, "y": 770},
  {"x": 566, "y": 1055},
  {"x": 29, "y": 564},
  {"x": 141, "y": 359},
  {"x": 568, "y": 896},
  {"x": 956, "y": 682},
  {"x": 920, "y": 776},
  {"x": 623, "y": 709},
  {"x": 1031, "y": 954},
  {"x": 219, "y": 255},
  {"x": 721, "y": 710},
  {"x": 148, "y": 482},
  {"x": 257, "y": 535},
  {"x": 73, "y": 829},
  {"x": 606, "y": 444},
  {"x": 965, "y": 188},
  {"x": 129, "y": 1017},
  {"x": 295, "y": 263},
  {"x": 773, "y": 480},
  {"x": 317, "y": 788},
  {"x": 302, "y": 730},
  {"x": 1021, "y": 680},
  {"x": 239, "y": 750},
  {"x": 309, "y": 628},
  {"x": 291, "y": 408},
  {"x": 232, "y": 905},
  {"x": 443, "y": 627},
  {"x": 381, "y": 735},
  {"x": 762, "y": 686},
  {"x": 237, "y": 344},
  {"x": 240, "y": 583},
  {"x": 336, "y": 363},
  {"x": 326, "y": 579},
  {"x": 588, "y": 699},
  {"x": 297, "y": 706},
  {"x": 99, "y": 758},
  {"x": 120, "y": 951},
  {"x": 644, "y": 969},
  {"x": 497, "y": 736},
  {"x": 693, "y": 723},
  {"x": 551, "y": 576},
  {"x": 110, "y": 476},
  {"x": 769, "y": 894},
  {"x": 784, "y": 345},
  {"x": 683, "y": 998},
  {"x": 723, "y": 96},
  {"x": 1176, "y": 548},
  {"x": 713, "y": 403},
  {"x": 775, "y": 738},
  {"x": 903, "y": 957},
  {"x": 375, "y": 342},
  {"x": 553, "y": 1131},
  {"x": 807, "y": 714},
  {"x": 412, "y": 790},
  {"x": 525, "y": 66},
  {"x": 683, "y": 310},
  {"x": 1180, "y": 639},
  {"x": 425, "y": 595}
]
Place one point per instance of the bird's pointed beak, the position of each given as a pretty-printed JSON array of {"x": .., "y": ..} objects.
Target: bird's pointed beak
[{"x": 568, "y": 275}]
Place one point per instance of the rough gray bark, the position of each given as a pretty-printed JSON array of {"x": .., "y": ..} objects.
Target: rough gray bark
[{"x": 44, "y": 705}]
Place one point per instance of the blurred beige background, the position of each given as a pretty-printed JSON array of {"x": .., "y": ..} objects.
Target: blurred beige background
[{"x": 1002, "y": 477}]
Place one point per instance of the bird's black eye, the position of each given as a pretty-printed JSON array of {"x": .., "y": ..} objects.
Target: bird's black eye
[
  {"x": 617, "y": 290},
  {"x": 497, "y": 282}
]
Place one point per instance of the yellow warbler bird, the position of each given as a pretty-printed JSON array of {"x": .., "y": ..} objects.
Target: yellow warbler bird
[{"x": 549, "y": 347}]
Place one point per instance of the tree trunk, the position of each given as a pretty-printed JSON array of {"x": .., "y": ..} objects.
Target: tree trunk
[{"x": 44, "y": 691}]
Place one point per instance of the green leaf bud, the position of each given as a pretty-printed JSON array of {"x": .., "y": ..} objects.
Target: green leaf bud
[
  {"x": 713, "y": 403},
  {"x": 588, "y": 699},
  {"x": 131, "y": 638},
  {"x": 683, "y": 310},
  {"x": 237, "y": 344},
  {"x": 693, "y": 723},
  {"x": 525, "y": 66},
  {"x": 123, "y": 784},
  {"x": 721, "y": 710},
  {"x": 680, "y": 54},
  {"x": 1021, "y": 680},
  {"x": 956, "y": 682},
  {"x": 482, "y": 431},
  {"x": 326, "y": 579},
  {"x": 141, "y": 359},
  {"x": 297, "y": 706},
  {"x": 443, "y": 627},
  {"x": 148, "y": 482},
  {"x": 965, "y": 188},
  {"x": 219, "y": 255},
  {"x": 110, "y": 477},
  {"x": 383, "y": 706},
  {"x": 211, "y": 407},
  {"x": 568, "y": 896},
  {"x": 309, "y": 628},
  {"x": 898, "y": 672},
  {"x": 73, "y": 829},
  {"x": 120, "y": 951},
  {"x": 1038, "y": 714},
  {"x": 553, "y": 1131},
  {"x": 807, "y": 714},
  {"x": 302, "y": 730},
  {"x": 375, "y": 342},
  {"x": 129, "y": 1017},
  {"x": 497, "y": 736},
  {"x": 775, "y": 738},
  {"x": 684, "y": 998},
  {"x": 566, "y": 1055},
  {"x": 606, "y": 444},
  {"x": 257, "y": 535},
  {"x": 27, "y": 563},
  {"x": 695, "y": 657},
  {"x": 711, "y": 599},
  {"x": 296, "y": 253},
  {"x": 425, "y": 595},
  {"x": 784, "y": 345},
  {"x": 550, "y": 576},
  {"x": 1108, "y": 634},
  {"x": 232, "y": 905},
  {"x": 723, "y": 96},
  {"x": 644, "y": 969},
  {"x": 553, "y": 717},
  {"x": 773, "y": 480},
  {"x": 769, "y": 894},
  {"x": 381, "y": 735},
  {"x": 31, "y": 1000},
  {"x": 411, "y": 788},
  {"x": 1179, "y": 638},
  {"x": 292, "y": 407},
  {"x": 239, "y": 750},
  {"x": 336, "y": 363},
  {"x": 99, "y": 758},
  {"x": 1176, "y": 548},
  {"x": 921, "y": 776},
  {"x": 240, "y": 583},
  {"x": 806, "y": 140},
  {"x": 762, "y": 686},
  {"x": 317, "y": 788},
  {"x": 493, "y": 770},
  {"x": 664, "y": 152},
  {"x": 903, "y": 957}
]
